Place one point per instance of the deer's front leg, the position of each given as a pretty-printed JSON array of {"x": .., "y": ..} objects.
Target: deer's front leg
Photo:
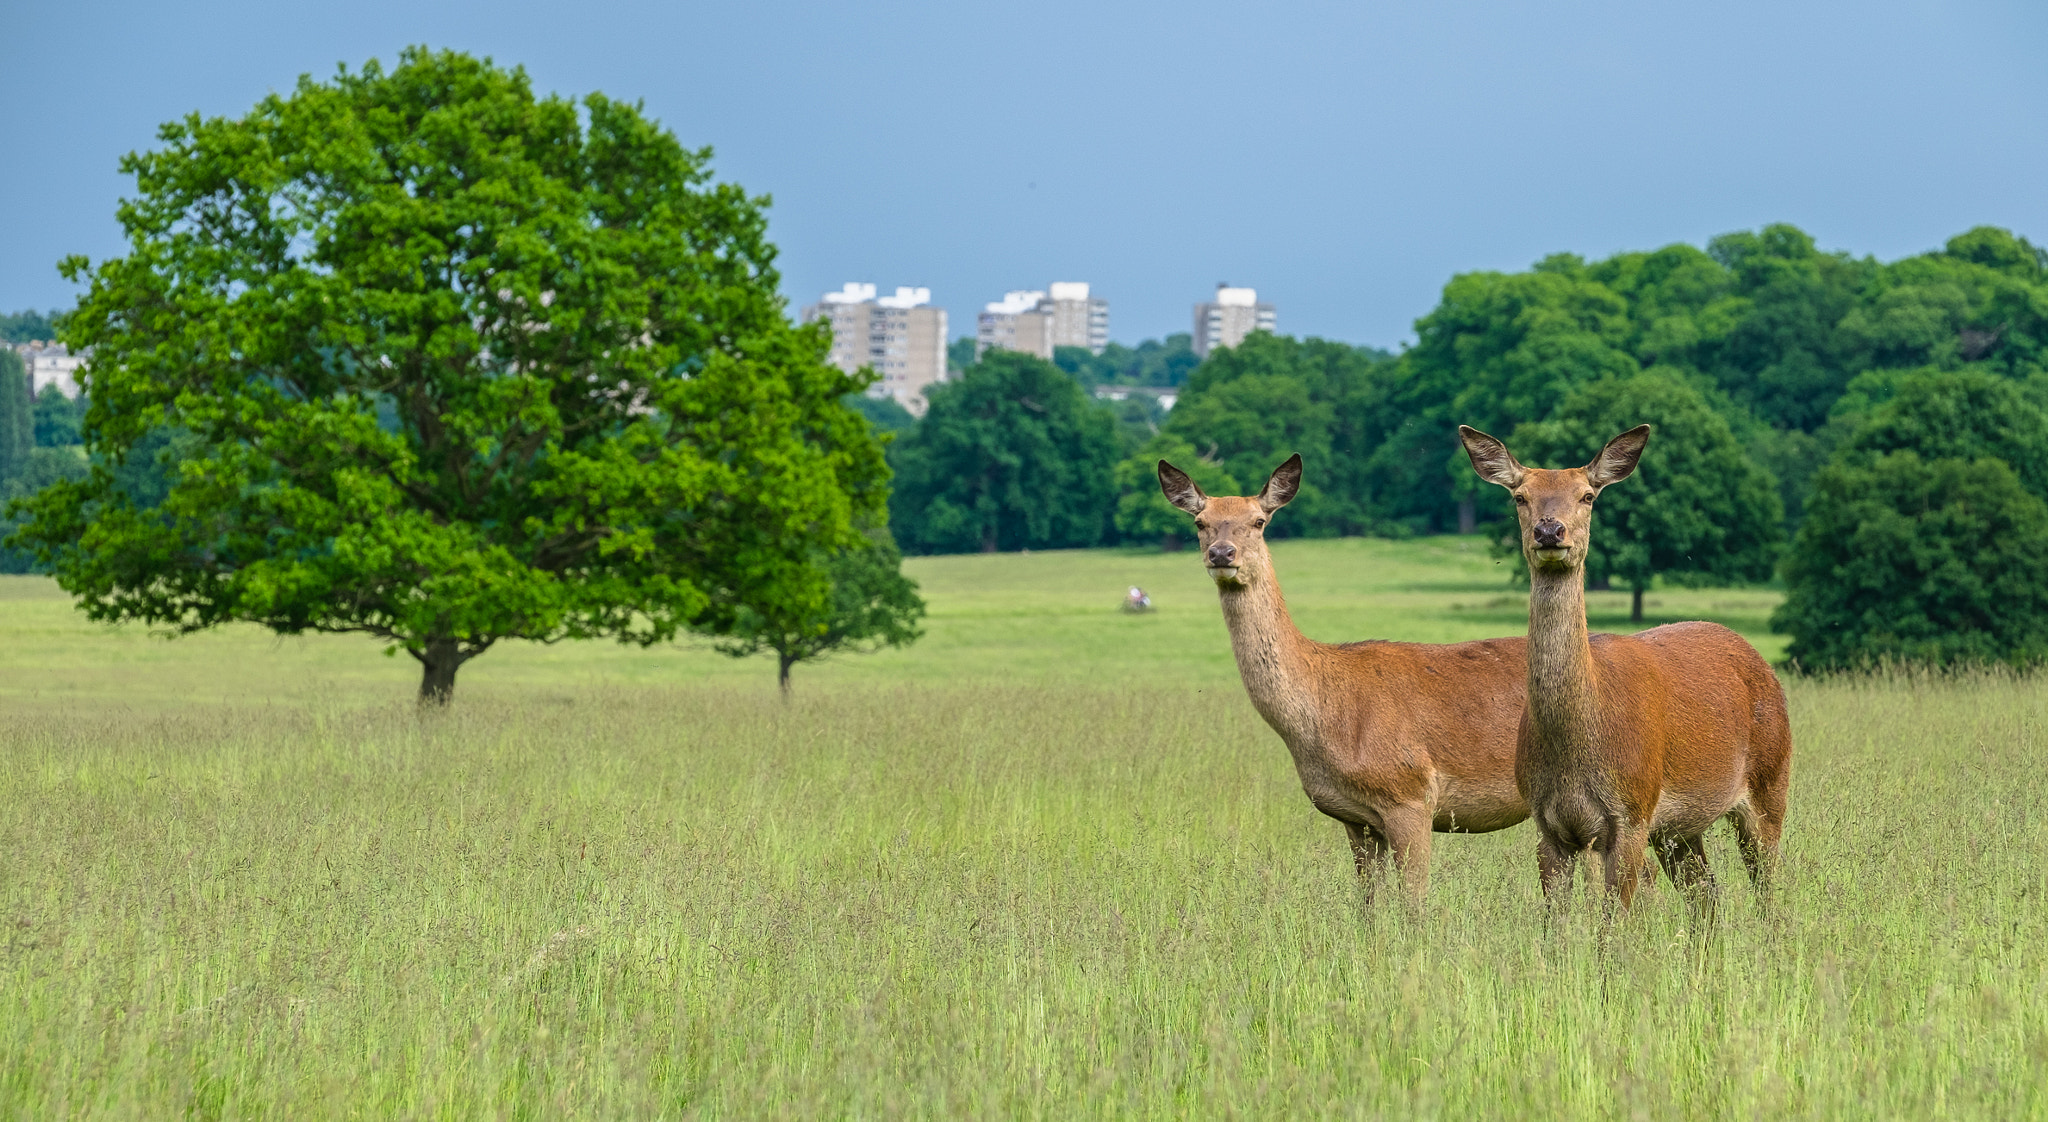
[
  {"x": 1409, "y": 834},
  {"x": 1627, "y": 848},
  {"x": 1369, "y": 851}
]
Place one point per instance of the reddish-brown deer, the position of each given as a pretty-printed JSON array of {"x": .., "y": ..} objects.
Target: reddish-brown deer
[
  {"x": 1394, "y": 740},
  {"x": 1637, "y": 740}
]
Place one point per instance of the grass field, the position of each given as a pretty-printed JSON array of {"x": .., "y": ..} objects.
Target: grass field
[{"x": 1047, "y": 863}]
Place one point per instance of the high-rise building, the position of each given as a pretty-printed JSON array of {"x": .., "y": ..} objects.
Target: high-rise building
[
  {"x": 1232, "y": 315},
  {"x": 1035, "y": 321},
  {"x": 1078, "y": 320},
  {"x": 902, "y": 336},
  {"x": 1014, "y": 323}
]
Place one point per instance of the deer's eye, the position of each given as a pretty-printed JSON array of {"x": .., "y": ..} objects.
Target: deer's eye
[
  {"x": 1521, "y": 498},
  {"x": 1587, "y": 497},
  {"x": 1258, "y": 523},
  {"x": 1201, "y": 525}
]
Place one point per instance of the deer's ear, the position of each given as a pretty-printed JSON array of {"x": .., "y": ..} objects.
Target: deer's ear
[
  {"x": 1279, "y": 490},
  {"x": 1180, "y": 490},
  {"x": 1490, "y": 458},
  {"x": 1617, "y": 461}
]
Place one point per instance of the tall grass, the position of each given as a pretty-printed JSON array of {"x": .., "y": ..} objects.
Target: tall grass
[{"x": 934, "y": 901}]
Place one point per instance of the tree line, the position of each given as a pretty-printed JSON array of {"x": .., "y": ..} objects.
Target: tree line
[{"x": 1871, "y": 431}]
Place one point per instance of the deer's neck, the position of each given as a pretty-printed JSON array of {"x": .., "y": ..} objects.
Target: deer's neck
[
  {"x": 1272, "y": 656},
  {"x": 1564, "y": 705}
]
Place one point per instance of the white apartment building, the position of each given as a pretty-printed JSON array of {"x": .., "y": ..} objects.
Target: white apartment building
[
  {"x": 1227, "y": 319},
  {"x": 902, "y": 336},
  {"x": 52, "y": 364},
  {"x": 1035, "y": 321},
  {"x": 1014, "y": 323}
]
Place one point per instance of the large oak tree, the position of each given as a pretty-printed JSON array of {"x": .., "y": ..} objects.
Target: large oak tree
[{"x": 452, "y": 363}]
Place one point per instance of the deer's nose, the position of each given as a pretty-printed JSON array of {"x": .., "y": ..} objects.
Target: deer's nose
[
  {"x": 1222, "y": 555},
  {"x": 1549, "y": 534}
]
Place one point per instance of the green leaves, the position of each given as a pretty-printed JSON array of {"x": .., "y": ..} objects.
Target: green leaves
[
  {"x": 1013, "y": 455},
  {"x": 454, "y": 368},
  {"x": 1919, "y": 560},
  {"x": 872, "y": 605},
  {"x": 1697, "y": 508}
]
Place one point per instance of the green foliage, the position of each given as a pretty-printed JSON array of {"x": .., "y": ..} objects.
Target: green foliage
[
  {"x": 1250, "y": 407},
  {"x": 1142, "y": 512},
  {"x": 17, "y": 417},
  {"x": 884, "y": 413},
  {"x": 1964, "y": 414},
  {"x": 1697, "y": 509},
  {"x": 960, "y": 353},
  {"x": 1497, "y": 351},
  {"x": 28, "y": 326},
  {"x": 1934, "y": 561},
  {"x": 1154, "y": 362},
  {"x": 1014, "y": 455},
  {"x": 454, "y": 364},
  {"x": 872, "y": 606},
  {"x": 59, "y": 420}
]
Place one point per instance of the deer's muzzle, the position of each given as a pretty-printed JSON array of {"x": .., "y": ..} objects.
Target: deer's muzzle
[
  {"x": 1222, "y": 555},
  {"x": 1549, "y": 534}
]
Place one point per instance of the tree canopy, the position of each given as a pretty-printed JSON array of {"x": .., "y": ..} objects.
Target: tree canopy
[
  {"x": 456, "y": 364},
  {"x": 1251, "y": 406},
  {"x": 1933, "y": 561},
  {"x": 27, "y": 326},
  {"x": 1143, "y": 514},
  {"x": 1012, "y": 455},
  {"x": 1697, "y": 509},
  {"x": 872, "y": 606}
]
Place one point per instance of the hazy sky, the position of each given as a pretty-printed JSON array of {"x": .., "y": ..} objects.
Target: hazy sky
[{"x": 1344, "y": 158}]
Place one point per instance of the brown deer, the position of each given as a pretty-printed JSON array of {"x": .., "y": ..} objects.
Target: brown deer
[
  {"x": 1394, "y": 740},
  {"x": 1637, "y": 740}
]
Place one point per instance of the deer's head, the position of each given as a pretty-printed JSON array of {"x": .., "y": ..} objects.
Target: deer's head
[
  {"x": 1232, "y": 531},
  {"x": 1555, "y": 506}
]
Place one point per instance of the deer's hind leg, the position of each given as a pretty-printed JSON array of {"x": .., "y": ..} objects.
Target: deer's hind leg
[
  {"x": 1685, "y": 862},
  {"x": 1756, "y": 837}
]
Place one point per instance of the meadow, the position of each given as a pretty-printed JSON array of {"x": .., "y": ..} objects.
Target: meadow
[{"x": 1046, "y": 863}]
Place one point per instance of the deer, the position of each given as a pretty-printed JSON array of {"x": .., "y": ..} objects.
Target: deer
[
  {"x": 1632, "y": 742},
  {"x": 1396, "y": 741}
]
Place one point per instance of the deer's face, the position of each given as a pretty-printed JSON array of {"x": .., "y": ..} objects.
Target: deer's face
[
  {"x": 1556, "y": 510},
  {"x": 1231, "y": 531},
  {"x": 1555, "y": 506}
]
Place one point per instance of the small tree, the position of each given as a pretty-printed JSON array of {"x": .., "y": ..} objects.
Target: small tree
[
  {"x": 456, "y": 364},
  {"x": 1013, "y": 455},
  {"x": 1698, "y": 509},
  {"x": 872, "y": 606},
  {"x": 1142, "y": 512},
  {"x": 17, "y": 419},
  {"x": 1935, "y": 561}
]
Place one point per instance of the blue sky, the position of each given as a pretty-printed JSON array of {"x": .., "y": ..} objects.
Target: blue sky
[{"x": 1345, "y": 159}]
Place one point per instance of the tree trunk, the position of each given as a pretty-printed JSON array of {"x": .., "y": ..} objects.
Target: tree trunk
[
  {"x": 1468, "y": 516},
  {"x": 438, "y": 664},
  {"x": 988, "y": 540},
  {"x": 787, "y": 662},
  {"x": 1635, "y": 611}
]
